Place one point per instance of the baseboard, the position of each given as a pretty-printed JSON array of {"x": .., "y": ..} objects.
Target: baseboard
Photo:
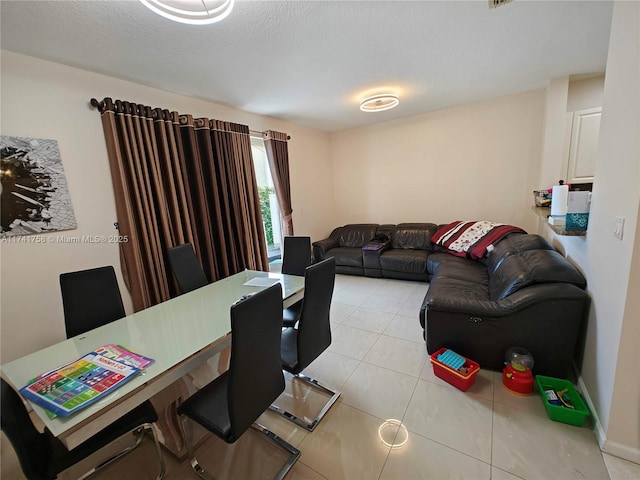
[
  {"x": 617, "y": 449},
  {"x": 622, "y": 451},
  {"x": 601, "y": 435}
]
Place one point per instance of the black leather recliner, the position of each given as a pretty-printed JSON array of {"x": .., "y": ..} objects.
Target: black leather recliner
[{"x": 523, "y": 293}]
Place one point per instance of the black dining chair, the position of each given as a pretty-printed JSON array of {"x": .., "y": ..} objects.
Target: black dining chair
[
  {"x": 190, "y": 276},
  {"x": 296, "y": 257},
  {"x": 42, "y": 456},
  {"x": 186, "y": 268},
  {"x": 302, "y": 345},
  {"x": 90, "y": 298},
  {"x": 232, "y": 403}
]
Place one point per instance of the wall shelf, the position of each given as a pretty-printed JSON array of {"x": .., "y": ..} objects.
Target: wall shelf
[{"x": 543, "y": 212}]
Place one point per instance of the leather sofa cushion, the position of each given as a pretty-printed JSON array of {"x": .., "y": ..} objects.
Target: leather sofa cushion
[
  {"x": 447, "y": 265},
  {"x": 404, "y": 260},
  {"x": 445, "y": 291},
  {"x": 413, "y": 235},
  {"x": 532, "y": 267},
  {"x": 355, "y": 235},
  {"x": 514, "y": 243},
  {"x": 346, "y": 256}
]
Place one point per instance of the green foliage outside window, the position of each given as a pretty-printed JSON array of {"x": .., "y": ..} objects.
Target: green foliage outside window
[{"x": 265, "y": 209}]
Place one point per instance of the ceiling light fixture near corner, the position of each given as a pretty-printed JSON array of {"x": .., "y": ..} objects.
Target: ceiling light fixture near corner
[
  {"x": 192, "y": 12},
  {"x": 379, "y": 103}
]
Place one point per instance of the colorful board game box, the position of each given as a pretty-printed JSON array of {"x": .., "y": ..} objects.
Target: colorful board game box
[{"x": 78, "y": 384}]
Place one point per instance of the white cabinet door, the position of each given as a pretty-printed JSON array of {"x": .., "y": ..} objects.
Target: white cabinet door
[{"x": 584, "y": 145}]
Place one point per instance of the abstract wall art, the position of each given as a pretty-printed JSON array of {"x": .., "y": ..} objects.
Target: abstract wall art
[{"x": 34, "y": 197}]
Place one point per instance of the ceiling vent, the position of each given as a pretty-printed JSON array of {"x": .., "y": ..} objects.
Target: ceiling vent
[{"x": 498, "y": 3}]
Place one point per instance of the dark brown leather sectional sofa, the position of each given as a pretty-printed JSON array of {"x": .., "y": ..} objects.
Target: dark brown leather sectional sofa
[
  {"x": 403, "y": 255},
  {"x": 523, "y": 293}
]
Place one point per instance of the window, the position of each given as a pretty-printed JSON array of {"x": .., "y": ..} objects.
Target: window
[{"x": 271, "y": 218}]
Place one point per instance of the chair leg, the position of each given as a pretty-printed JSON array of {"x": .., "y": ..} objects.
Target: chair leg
[
  {"x": 310, "y": 426},
  {"x": 139, "y": 437},
  {"x": 186, "y": 435},
  {"x": 293, "y": 452}
]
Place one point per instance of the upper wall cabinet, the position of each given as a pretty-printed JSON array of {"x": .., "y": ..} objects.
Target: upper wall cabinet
[{"x": 583, "y": 148}]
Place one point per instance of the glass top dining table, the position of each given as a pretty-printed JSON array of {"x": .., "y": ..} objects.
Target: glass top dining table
[{"x": 179, "y": 334}]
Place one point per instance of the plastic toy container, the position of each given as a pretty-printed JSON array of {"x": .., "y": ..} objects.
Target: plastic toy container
[
  {"x": 462, "y": 381},
  {"x": 560, "y": 413},
  {"x": 542, "y": 198}
]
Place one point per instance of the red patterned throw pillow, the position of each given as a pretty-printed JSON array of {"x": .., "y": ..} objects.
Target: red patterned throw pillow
[{"x": 471, "y": 239}]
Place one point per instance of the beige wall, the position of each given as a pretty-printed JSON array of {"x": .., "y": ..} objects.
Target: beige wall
[
  {"x": 607, "y": 262},
  {"x": 47, "y": 100},
  {"x": 585, "y": 93},
  {"x": 563, "y": 97},
  {"x": 557, "y": 128},
  {"x": 474, "y": 162}
]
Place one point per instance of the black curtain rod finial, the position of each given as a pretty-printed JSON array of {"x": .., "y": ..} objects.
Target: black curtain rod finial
[{"x": 95, "y": 103}]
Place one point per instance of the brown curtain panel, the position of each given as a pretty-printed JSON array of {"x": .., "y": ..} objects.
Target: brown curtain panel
[
  {"x": 178, "y": 179},
  {"x": 278, "y": 156}
]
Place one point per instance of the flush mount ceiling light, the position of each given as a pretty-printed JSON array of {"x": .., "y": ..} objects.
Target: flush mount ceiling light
[
  {"x": 379, "y": 103},
  {"x": 193, "y": 12}
]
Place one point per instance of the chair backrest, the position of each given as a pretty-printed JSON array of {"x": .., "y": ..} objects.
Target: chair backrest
[
  {"x": 186, "y": 268},
  {"x": 296, "y": 256},
  {"x": 90, "y": 298},
  {"x": 314, "y": 328},
  {"x": 255, "y": 371},
  {"x": 31, "y": 446}
]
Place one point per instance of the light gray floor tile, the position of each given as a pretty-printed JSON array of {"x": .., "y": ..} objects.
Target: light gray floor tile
[{"x": 531, "y": 446}]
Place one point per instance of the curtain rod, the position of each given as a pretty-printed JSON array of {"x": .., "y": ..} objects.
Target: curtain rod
[
  {"x": 256, "y": 132},
  {"x": 96, "y": 104}
]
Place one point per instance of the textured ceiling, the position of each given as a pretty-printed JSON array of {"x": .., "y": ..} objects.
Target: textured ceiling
[{"x": 312, "y": 62}]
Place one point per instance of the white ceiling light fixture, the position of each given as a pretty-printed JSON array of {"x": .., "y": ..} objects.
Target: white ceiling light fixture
[
  {"x": 379, "y": 103},
  {"x": 192, "y": 12}
]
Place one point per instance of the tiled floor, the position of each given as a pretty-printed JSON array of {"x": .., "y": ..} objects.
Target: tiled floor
[{"x": 379, "y": 362}]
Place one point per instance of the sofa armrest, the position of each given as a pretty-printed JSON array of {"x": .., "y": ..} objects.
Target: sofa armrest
[
  {"x": 546, "y": 319},
  {"x": 524, "y": 298},
  {"x": 321, "y": 247}
]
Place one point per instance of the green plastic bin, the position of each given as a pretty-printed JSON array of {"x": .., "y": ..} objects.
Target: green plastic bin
[{"x": 560, "y": 413}]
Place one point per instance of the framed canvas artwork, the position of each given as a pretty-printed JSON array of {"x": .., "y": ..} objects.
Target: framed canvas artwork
[{"x": 34, "y": 197}]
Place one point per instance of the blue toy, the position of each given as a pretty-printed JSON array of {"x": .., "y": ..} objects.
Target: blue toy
[{"x": 451, "y": 359}]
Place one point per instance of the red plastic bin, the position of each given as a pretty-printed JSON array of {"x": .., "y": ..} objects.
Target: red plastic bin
[{"x": 462, "y": 381}]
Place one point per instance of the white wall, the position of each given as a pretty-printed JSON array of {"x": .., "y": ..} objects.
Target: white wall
[
  {"x": 623, "y": 435},
  {"x": 617, "y": 192},
  {"x": 46, "y": 100},
  {"x": 474, "y": 162},
  {"x": 609, "y": 370}
]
